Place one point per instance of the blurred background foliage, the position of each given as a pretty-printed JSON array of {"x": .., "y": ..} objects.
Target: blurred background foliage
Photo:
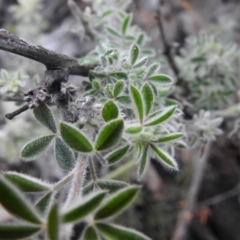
[{"x": 205, "y": 37}]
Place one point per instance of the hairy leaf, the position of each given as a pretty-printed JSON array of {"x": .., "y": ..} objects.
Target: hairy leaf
[
  {"x": 119, "y": 75},
  {"x": 148, "y": 97},
  {"x": 53, "y": 223},
  {"x": 64, "y": 155},
  {"x": 164, "y": 157},
  {"x": 125, "y": 24},
  {"x": 109, "y": 134},
  {"x": 44, "y": 115},
  {"x": 109, "y": 111},
  {"x": 35, "y": 148},
  {"x": 116, "y": 232},
  {"x": 142, "y": 164},
  {"x": 27, "y": 183},
  {"x": 15, "y": 203},
  {"x": 118, "y": 88},
  {"x": 117, "y": 154},
  {"x": 117, "y": 203},
  {"x": 152, "y": 69},
  {"x": 17, "y": 231},
  {"x": 43, "y": 204},
  {"x": 138, "y": 102},
  {"x": 83, "y": 208},
  {"x": 74, "y": 138},
  {"x": 134, "y": 129},
  {"x": 161, "y": 79},
  {"x": 90, "y": 234},
  {"x": 160, "y": 116},
  {"x": 111, "y": 185},
  {"x": 169, "y": 137},
  {"x": 134, "y": 52}
]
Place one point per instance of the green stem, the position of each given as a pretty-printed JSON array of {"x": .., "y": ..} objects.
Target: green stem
[
  {"x": 121, "y": 170},
  {"x": 92, "y": 170}
]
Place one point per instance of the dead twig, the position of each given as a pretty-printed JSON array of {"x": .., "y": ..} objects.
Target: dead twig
[
  {"x": 52, "y": 60},
  {"x": 167, "y": 47},
  {"x": 186, "y": 215}
]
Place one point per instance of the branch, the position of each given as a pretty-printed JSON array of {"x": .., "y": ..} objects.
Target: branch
[
  {"x": 167, "y": 47},
  {"x": 52, "y": 60},
  {"x": 186, "y": 214},
  {"x": 219, "y": 198}
]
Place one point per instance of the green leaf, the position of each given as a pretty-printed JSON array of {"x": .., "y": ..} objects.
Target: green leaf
[
  {"x": 125, "y": 24},
  {"x": 138, "y": 102},
  {"x": 113, "y": 32},
  {"x": 43, "y": 204},
  {"x": 140, "y": 39},
  {"x": 17, "y": 231},
  {"x": 125, "y": 100},
  {"x": 111, "y": 185},
  {"x": 83, "y": 208},
  {"x": 53, "y": 223},
  {"x": 64, "y": 155},
  {"x": 27, "y": 183},
  {"x": 15, "y": 203},
  {"x": 116, "y": 232},
  {"x": 160, "y": 116},
  {"x": 108, "y": 91},
  {"x": 161, "y": 79},
  {"x": 152, "y": 69},
  {"x": 89, "y": 188},
  {"x": 148, "y": 52},
  {"x": 148, "y": 98},
  {"x": 134, "y": 52},
  {"x": 117, "y": 154},
  {"x": 109, "y": 134},
  {"x": 90, "y": 234},
  {"x": 142, "y": 165},
  {"x": 119, "y": 75},
  {"x": 169, "y": 137},
  {"x": 44, "y": 115},
  {"x": 118, "y": 88},
  {"x": 134, "y": 129},
  {"x": 74, "y": 138},
  {"x": 98, "y": 74},
  {"x": 142, "y": 62},
  {"x": 109, "y": 111},
  {"x": 96, "y": 84},
  {"x": 164, "y": 157},
  {"x": 117, "y": 202},
  {"x": 35, "y": 148},
  {"x": 107, "y": 12}
]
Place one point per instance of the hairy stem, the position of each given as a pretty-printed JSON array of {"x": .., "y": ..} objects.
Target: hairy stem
[
  {"x": 92, "y": 170},
  {"x": 79, "y": 174},
  {"x": 63, "y": 181}
]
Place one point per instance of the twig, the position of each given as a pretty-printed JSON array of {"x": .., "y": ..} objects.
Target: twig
[
  {"x": 52, "y": 60},
  {"x": 77, "y": 13},
  {"x": 17, "y": 112},
  {"x": 167, "y": 47},
  {"x": 219, "y": 198},
  {"x": 185, "y": 216}
]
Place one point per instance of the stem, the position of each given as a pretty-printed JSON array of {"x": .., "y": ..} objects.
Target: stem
[
  {"x": 52, "y": 60},
  {"x": 92, "y": 170},
  {"x": 185, "y": 216},
  {"x": 17, "y": 112},
  {"x": 63, "y": 181},
  {"x": 121, "y": 170},
  {"x": 79, "y": 174}
]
